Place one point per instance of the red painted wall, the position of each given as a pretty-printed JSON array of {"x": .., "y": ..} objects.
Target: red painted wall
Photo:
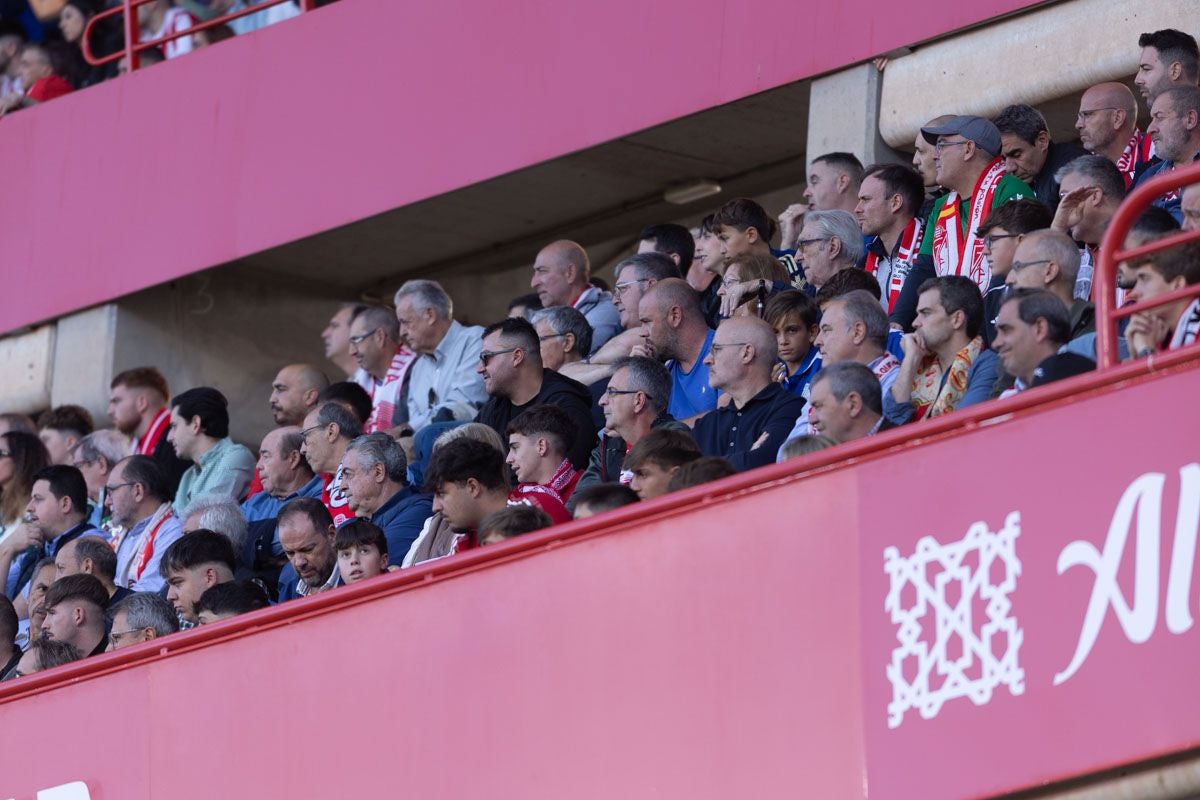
[
  {"x": 731, "y": 641},
  {"x": 368, "y": 105}
]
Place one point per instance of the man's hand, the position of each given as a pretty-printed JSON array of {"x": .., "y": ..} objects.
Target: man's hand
[
  {"x": 734, "y": 293},
  {"x": 1070, "y": 209},
  {"x": 779, "y": 372},
  {"x": 25, "y": 536},
  {"x": 913, "y": 345},
  {"x": 1145, "y": 332},
  {"x": 791, "y": 221},
  {"x": 645, "y": 349}
]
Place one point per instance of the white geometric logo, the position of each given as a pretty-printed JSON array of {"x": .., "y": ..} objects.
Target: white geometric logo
[{"x": 949, "y": 653}]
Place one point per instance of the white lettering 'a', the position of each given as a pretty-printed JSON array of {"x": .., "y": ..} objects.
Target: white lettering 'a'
[{"x": 1138, "y": 620}]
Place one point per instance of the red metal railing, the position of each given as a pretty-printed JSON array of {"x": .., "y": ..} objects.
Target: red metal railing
[
  {"x": 1111, "y": 254},
  {"x": 133, "y": 45}
]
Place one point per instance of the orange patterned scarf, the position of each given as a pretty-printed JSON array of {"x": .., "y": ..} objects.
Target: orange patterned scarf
[{"x": 934, "y": 394}]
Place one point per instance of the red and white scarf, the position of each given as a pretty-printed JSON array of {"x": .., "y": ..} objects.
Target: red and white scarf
[
  {"x": 385, "y": 394},
  {"x": 959, "y": 252},
  {"x": 564, "y": 480},
  {"x": 901, "y": 263},
  {"x": 883, "y": 365},
  {"x": 1139, "y": 151},
  {"x": 158, "y": 426},
  {"x": 1187, "y": 330}
]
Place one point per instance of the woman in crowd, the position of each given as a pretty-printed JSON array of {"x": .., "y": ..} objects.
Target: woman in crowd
[
  {"x": 22, "y": 455},
  {"x": 753, "y": 267}
]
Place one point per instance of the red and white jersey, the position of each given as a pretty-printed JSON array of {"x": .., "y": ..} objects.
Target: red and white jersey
[{"x": 176, "y": 20}]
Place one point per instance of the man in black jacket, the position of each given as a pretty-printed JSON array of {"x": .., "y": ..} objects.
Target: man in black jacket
[{"x": 510, "y": 363}]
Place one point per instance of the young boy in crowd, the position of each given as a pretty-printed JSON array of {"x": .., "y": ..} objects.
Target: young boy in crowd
[
  {"x": 362, "y": 551},
  {"x": 796, "y": 320},
  {"x": 229, "y": 599},
  {"x": 512, "y": 521},
  {"x": 656, "y": 457}
]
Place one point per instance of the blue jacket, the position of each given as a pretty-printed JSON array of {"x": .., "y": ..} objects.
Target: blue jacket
[
  {"x": 401, "y": 519},
  {"x": 1174, "y": 205}
]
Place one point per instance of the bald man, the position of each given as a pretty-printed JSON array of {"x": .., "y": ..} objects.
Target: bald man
[
  {"x": 1049, "y": 260},
  {"x": 1107, "y": 125},
  {"x": 561, "y": 277},
  {"x": 675, "y": 332},
  {"x": 749, "y": 430},
  {"x": 294, "y": 392}
]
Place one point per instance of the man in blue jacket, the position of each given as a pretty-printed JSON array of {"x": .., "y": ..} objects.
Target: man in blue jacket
[{"x": 374, "y": 472}]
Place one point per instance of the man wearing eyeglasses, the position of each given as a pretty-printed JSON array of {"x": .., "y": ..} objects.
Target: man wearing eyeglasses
[
  {"x": 1050, "y": 260},
  {"x": 511, "y": 367},
  {"x": 967, "y": 163},
  {"x": 1107, "y": 125},
  {"x": 383, "y": 364},
  {"x": 750, "y": 429},
  {"x": 141, "y": 508}
]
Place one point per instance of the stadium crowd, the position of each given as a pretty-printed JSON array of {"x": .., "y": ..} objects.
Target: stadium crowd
[{"x": 896, "y": 294}]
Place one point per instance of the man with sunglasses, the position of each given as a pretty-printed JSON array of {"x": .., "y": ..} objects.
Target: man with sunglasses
[{"x": 511, "y": 367}]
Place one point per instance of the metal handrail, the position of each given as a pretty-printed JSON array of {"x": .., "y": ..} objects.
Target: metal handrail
[
  {"x": 1111, "y": 254},
  {"x": 133, "y": 44}
]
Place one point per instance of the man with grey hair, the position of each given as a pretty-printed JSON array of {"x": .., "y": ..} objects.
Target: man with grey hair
[
  {"x": 1107, "y": 125},
  {"x": 383, "y": 361},
  {"x": 751, "y": 428},
  {"x": 829, "y": 242},
  {"x": 1092, "y": 188},
  {"x": 561, "y": 277},
  {"x": 222, "y": 515},
  {"x": 285, "y": 474},
  {"x": 95, "y": 456},
  {"x": 140, "y": 617},
  {"x": 846, "y": 402},
  {"x": 374, "y": 471},
  {"x": 1175, "y": 128},
  {"x": 564, "y": 334},
  {"x": 1032, "y": 326},
  {"x": 328, "y": 430},
  {"x": 634, "y": 403},
  {"x": 443, "y": 386},
  {"x": 1050, "y": 260}
]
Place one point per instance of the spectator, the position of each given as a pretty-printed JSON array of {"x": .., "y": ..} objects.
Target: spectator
[
  {"x": 199, "y": 560},
  {"x": 656, "y": 457},
  {"x": 223, "y": 515},
  {"x": 513, "y": 375},
  {"x": 72, "y": 22},
  {"x": 525, "y": 306},
  {"x": 210, "y": 36},
  {"x": 1190, "y": 207},
  {"x": 508, "y": 523},
  {"x": 374, "y": 471},
  {"x": 22, "y": 456},
  {"x": 443, "y": 386},
  {"x": 833, "y": 182},
  {"x": 635, "y": 276},
  {"x": 43, "y": 76},
  {"x": 199, "y": 431},
  {"x": 285, "y": 474},
  {"x": 295, "y": 392},
  {"x": 10, "y": 654},
  {"x": 674, "y": 330},
  {"x": 969, "y": 165},
  {"x": 12, "y": 39},
  {"x": 383, "y": 365},
  {"x": 1003, "y": 231},
  {"x": 1050, "y": 260},
  {"x": 565, "y": 336},
  {"x": 159, "y": 18},
  {"x": 538, "y": 442},
  {"x": 749, "y": 278},
  {"x": 845, "y": 281},
  {"x": 45, "y": 572},
  {"x": 889, "y": 199},
  {"x": 306, "y": 532},
  {"x": 847, "y": 402},
  {"x": 1107, "y": 125},
  {"x": 1172, "y": 325},
  {"x": 75, "y": 614},
  {"x": 925, "y": 162},
  {"x": 137, "y": 407},
  {"x": 743, "y": 228},
  {"x": 1092, "y": 190},
  {"x": 749, "y": 430},
  {"x": 945, "y": 366},
  {"x": 804, "y": 445},
  {"x": 229, "y": 599},
  {"x": 137, "y": 494},
  {"x": 140, "y": 617},
  {"x": 711, "y": 261},
  {"x": 1175, "y": 128},
  {"x": 830, "y": 241},
  {"x": 350, "y": 396},
  {"x": 601, "y": 497},
  {"x": 60, "y": 429},
  {"x": 561, "y": 275},
  {"x": 327, "y": 432},
  {"x": 94, "y": 457},
  {"x": 336, "y": 338},
  {"x": 362, "y": 551},
  {"x": 1030, "y": 154},
  {"x": 46, "y": 654},
  {"x": 56, "y": 514},
  {"x": 1033, "y": 325},
  {"x": 91, "y": 555},
  {"x": 794, "y": 316},
  {"x": 633, "y": 403},
  {"x": 469, "y": 482},
  {"x": 1169, "y": 59},
  {"x": 699, "y": 472},
  {"x": 677, "y": 244}
]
